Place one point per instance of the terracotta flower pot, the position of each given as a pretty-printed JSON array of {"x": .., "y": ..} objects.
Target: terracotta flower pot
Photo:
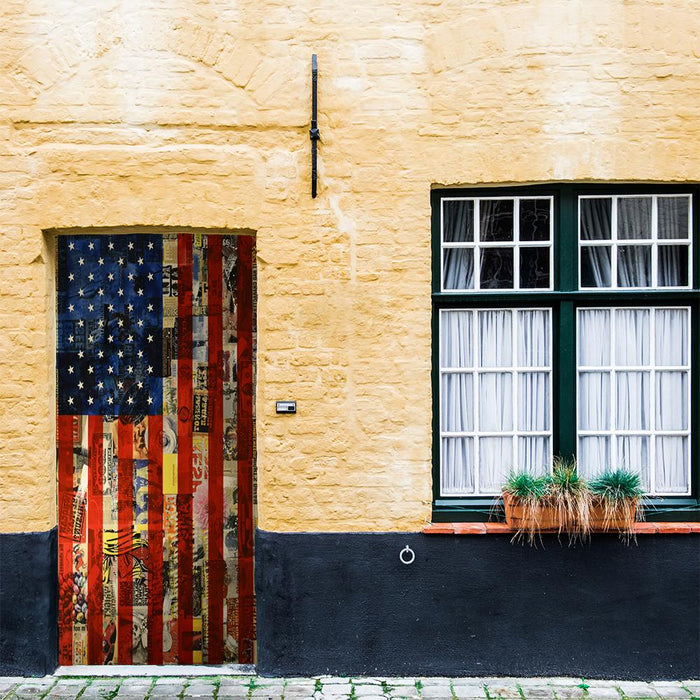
[
  {"x": 541, "y": 518},
  {"x": 622, "y": 519}
]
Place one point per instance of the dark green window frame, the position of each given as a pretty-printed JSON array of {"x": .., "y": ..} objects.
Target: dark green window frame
[{"x": 564, "y": 300}]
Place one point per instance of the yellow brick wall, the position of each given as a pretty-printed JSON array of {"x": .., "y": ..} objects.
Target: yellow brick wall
[{"x": 195, "y": 113}]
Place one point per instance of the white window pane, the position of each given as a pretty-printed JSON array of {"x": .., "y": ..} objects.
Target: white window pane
[
  {"x": 596, "y": 215},
  {"x": 633, "y": 401},
  {"x": 674, "y": 216},
  {"x": 672, "y": 465},
  {"x": 596, "y": 266},
  {"x": 671, "y": 401},
  {"x": 457, "y": 466},
  {"x": 672, "y": 337},
  {"x": 457, "y": 401},
  {"x": 533, "y": 338},
  {"x": 594, "y": 401},
  {"x": 633, "y": 454},
  {"x": 533, "y": 401},
  {"x": 634, "y": 266},
  {"x": 632, "y": 337},
  {"x": 495, "y": 402},
  {"x": 594, "y": 337},
  {"x": 673, "y": 265},
  {"x": 533, "y": 454},
  {"x": 495, "y": 461},
  {"x": 634, "y": 218},
  {"x": 593, "y": 455},
  {"x": 495, "y": 332},
  {"x": 456, "y": 339},
  {"x": 458, "y": 268},
  {"x": 458, "y": 221}
]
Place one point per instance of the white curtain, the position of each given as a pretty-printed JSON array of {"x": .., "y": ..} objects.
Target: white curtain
[
  {"x": 458, "y": 268},
  {"x": 673, "y": 266},
  {"x": 634, "y": 266},
  {"x": 633, "y": 409},
  {"x": 507, "y": 339}
]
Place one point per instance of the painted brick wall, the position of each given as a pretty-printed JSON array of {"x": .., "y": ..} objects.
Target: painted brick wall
[{"x": 195, "y": 113}]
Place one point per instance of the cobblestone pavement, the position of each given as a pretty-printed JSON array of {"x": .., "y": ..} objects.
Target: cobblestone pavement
[{"x": 336, "y": 688}]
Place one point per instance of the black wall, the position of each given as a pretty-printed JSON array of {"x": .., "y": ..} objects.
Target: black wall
[
  {"x": 28, "y": 603},
  {"x": 478, "y": 606}
]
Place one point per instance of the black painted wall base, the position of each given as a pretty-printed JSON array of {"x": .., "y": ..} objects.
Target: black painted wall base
[
  {"x": 478, "y": 606},
  {"x": 28, "y": 603}
]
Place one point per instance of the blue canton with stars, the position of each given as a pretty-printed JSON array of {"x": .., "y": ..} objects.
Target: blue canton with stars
[{"x": 110, "y": 317}]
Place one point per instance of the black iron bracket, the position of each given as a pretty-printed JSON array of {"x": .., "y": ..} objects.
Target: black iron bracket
[{"x": 314, "y": 133}]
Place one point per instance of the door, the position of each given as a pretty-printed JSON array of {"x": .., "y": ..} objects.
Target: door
[{"x": 154, "y": 372}]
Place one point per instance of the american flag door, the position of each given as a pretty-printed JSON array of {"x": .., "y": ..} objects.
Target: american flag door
[{"x": 155, "y": 457}]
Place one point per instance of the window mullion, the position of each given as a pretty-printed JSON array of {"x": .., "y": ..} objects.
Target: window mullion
[{"x": 567, "y": 394}]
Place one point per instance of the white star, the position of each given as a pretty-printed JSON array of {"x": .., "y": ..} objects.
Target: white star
[
  {"x": 101, "y": 292},
  {"x": 80, "y": 354},
  {"x": 110, "y": 338},
  {"x": 120, "y": 261},
  {"x": 120, "y": 385},
  {"x": 101, "y": 261},
  {"x": 110, "y": 245},
  {"x": 130, "y": 338},
  {"x": 89, "y": 339},
  {"x": 70, "y": 400},
  {"x": 81, "y": 293},
  {"x": 120, "y": 353},
  {"x": 150, "y": 276},
  {"x": 140, "y": 354},
  {"x": 139, "y": 385},
  {"x": 100, "y": 322},
  {"x": 131, "y": 245},
  {"x": 130, "y": 369},
  {"x": 80, "y": 385},
  {"x": 70, "y": 338},
  {"x": 139, "y": 292},
  {"x": 150, "y": 307},
  {"x": 130, "y": 307},
  {"x": 140, "y": 261},
  {"x": 150, "y": 399},
  {"x": 121, "y": 292},
  {"x": 150, "y": 369},
  {"x": 110, "y": 307},
  {"x": 70, "y": 369},
  {"x": 110, "y": 276},
  {"x": 91, "y": 369},
  {"x": 71, "y": 246},
  {"x": 150, "y": 245},
  {"x": 91, "y": 245},
  {"x": 81, "y": 261},
  {"x": 130, "y": 399},
  {"x": 110, "y": 400},
  {"x": 139, "y": 323},
  {"x": 120, "y": 322},
  {"x": 71, "y": 277},
  {"x": 100, "y": 354},
  {"x": 91, "y": 277},
  {"x": 110, "y": 370},
  {"x": 71, "y": 307},
  {"x": 150, "y": 338},
  {"x": 90, "y": 400},
  {"x": 100, "y": 385},
  {"x": 91, "y": 307},
  {"x": 81, "y": 323},
  {"x": 131, "y": 276}
]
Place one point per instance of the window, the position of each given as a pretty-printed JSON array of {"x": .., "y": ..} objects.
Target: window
[{"x": 565, "y": 320}]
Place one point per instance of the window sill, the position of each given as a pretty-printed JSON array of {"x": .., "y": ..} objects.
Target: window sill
[{"x": 502, "y": 529}]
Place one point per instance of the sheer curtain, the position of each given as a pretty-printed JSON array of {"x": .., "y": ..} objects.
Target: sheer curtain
[
  {"x": 615, "y": 403},
  {"x": 486, "y": 431}
]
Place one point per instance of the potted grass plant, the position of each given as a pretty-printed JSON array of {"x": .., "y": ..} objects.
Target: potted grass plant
[
  {"x": 617, "y": 501},
  {"x": 564, "y": 502}
]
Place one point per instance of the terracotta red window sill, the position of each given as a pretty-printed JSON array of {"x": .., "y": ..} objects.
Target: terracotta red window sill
[{"x": 502, "y": 528}]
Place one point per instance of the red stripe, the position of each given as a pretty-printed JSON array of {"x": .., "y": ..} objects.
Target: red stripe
[
  {"x": 216, "y": 453},
  {"x": 125, "y": 457},
  {"x": 64, "y": 439},
  {"x": 155, "y": 539},
  {"x": 184, "y": 446},
  {"x": 95, "y": 541},
  {"x": 244, "y": 297}
]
